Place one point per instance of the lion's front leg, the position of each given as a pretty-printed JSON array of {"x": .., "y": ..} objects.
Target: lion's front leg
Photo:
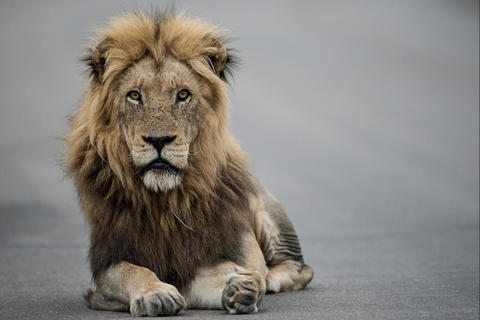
[
  {"x": 129, "y": 287},
  {"x": 229, "y": 286}
]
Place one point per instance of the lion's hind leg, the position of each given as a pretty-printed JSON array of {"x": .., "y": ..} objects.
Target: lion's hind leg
[
  {"x": 287, "y": 270},
  {"x": 288, "y": 276},
  {"x": 278, "y": 240}
]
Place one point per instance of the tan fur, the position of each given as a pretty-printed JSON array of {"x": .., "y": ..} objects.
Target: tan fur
[{"x": 155, "y": 232}]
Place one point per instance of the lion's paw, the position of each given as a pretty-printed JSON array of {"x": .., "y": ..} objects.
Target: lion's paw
[
  {"x": 159, "y": 300},
  {"x": 244, "y": 292}
]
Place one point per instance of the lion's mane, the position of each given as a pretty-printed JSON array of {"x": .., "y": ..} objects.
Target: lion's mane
[{"x": 196, "y": 223}]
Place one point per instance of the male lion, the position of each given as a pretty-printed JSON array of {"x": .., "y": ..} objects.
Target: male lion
[{"x": 176, "y": 217}]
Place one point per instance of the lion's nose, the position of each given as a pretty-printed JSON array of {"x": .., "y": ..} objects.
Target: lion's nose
[{"x": 159, "y": 142}]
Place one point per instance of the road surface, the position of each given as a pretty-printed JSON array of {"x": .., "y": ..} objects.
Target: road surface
[{"x": 362, "y": 118}]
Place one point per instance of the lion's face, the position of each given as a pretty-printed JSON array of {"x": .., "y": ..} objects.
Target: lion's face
[
  {"x": 156, "y": 108},
  {"x": 159, "y": 114}
]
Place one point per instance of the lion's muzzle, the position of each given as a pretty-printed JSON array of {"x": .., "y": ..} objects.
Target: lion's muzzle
[
  {"x": 162, "y": 161},
  {"x": 171, "y": 156}
]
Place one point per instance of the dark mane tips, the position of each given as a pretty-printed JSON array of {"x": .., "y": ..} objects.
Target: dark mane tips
[{"x": 231, "y": 65}]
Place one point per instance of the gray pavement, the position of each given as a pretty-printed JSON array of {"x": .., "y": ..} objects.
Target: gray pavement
[{"x": 361, "y": 117}]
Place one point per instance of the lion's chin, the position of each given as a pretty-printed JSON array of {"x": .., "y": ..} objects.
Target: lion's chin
[{"x": 160, "y": 180}]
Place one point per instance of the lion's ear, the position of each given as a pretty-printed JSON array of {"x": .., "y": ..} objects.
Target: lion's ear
[
  {"x": 97, "y": 56},
  {"x": 222, "y": 61}
]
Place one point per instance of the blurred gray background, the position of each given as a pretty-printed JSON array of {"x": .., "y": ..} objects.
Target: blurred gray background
[{"x": 362, "y": 117}]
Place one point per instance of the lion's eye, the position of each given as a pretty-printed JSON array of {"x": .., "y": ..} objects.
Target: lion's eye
[
  {"x": 183, "y": 94},
  {"x": 133, "y": 96}
]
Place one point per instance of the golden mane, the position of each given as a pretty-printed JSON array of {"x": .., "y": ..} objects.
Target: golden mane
[{"x": 125, "y": 218}]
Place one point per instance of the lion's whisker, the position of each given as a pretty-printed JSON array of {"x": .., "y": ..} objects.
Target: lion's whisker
[{"x": 183, "y": 223}]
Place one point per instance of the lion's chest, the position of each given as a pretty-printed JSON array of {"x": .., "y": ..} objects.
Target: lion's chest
[{"x": 176, "y": 255}]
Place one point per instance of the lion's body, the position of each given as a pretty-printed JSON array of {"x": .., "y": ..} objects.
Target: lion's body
[{"x": 213, "y": 214}]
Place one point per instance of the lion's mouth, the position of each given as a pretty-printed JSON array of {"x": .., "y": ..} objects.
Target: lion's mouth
[{"x": 160, "y": 164}]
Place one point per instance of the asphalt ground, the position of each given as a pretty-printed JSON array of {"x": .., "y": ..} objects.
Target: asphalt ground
[{"x": 361, "y": 117}]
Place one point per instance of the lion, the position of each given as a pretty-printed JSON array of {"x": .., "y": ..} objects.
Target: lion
[{"x": 176, "y": 217}]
